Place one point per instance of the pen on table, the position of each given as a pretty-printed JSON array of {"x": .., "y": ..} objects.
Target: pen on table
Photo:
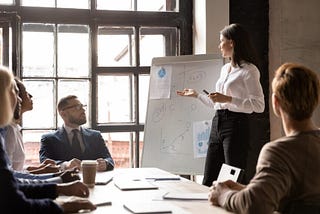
[
  {"x": 107, "y": 203},
  {"x": 165, "y": 179},
  {"x": 205, "y": 91}
]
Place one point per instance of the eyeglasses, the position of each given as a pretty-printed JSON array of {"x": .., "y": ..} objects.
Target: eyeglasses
[{"x": 76, "y": 106}]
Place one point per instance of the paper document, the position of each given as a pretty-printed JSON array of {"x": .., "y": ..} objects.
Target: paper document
[
  {"x": 136, "y": 184},
  {"x": 148, "y": 207},
  {"x": 101, "y": 201},
  {"x": 186, "y": 196},
  {"x": 228, "y": 172},
  {"x": 103, "y": 180},
  {"x": 161, "y": 82}
]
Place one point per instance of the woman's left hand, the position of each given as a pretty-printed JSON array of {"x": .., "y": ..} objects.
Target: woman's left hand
[
  {"x": 219, "y": 98},
  {"x": 219, "y": 191}
]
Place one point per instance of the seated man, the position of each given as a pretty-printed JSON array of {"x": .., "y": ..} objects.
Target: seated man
[
  {"x": 287, "y": 175},
  {"x": 73, "y": 143}
]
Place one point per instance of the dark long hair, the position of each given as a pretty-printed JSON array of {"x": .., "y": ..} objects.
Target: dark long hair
[{"x": 243, "y": 49}]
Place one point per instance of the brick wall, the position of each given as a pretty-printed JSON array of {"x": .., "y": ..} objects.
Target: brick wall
[{"x": 119, "y": 150}]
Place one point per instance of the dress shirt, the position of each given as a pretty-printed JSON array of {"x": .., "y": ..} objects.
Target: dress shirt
[
  {"x": 15, "y": 151},
  {"x": 243, "y": 85},
  {"x": 14, "y": 146}
]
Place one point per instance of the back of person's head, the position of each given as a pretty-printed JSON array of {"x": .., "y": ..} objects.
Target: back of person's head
[
  {"x": 297, "y": 89},
  {"x": 64, "y": 101},
  {"x": 19, "y": 85},
  {"x": 242, "y": 46},
  {"x": 6, "y": 81}
]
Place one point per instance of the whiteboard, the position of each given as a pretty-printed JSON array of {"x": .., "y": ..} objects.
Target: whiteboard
[{"x": 170, "y": 121}]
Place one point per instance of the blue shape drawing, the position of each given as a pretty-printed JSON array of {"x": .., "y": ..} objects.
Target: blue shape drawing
[{"x": 162, "y": 72}]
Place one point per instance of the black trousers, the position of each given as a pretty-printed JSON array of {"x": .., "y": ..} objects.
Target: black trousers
[{"x": 228, "y": 143}]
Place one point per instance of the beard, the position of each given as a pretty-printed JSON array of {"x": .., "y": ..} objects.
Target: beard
[{"x": 79, "y": 121}]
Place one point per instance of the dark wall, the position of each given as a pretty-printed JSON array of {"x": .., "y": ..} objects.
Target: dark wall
[{"x": 254, "y": 15}]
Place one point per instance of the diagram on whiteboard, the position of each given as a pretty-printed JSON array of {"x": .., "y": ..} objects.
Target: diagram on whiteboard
[
  {"x": 201, "y": 135},
  {"x": 174, "y": 144},
  {"x": 177, "y": 128}
]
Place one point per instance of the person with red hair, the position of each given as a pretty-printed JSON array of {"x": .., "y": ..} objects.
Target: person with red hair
[{"x": 287, "y": 175}]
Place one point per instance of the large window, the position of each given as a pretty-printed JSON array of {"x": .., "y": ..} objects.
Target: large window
[{"x": 100, "y": 51}]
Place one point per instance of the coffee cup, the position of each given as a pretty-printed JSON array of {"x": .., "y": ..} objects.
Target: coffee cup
[{"x": 89, "y": 170}]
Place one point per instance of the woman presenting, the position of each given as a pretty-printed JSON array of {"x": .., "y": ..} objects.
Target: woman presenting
[{"x": 238, "y": 94}]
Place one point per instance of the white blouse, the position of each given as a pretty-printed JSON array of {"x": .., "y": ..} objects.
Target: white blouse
[
  {"x": 14, "y": 146},
  {"x": 243, "y": 85}
]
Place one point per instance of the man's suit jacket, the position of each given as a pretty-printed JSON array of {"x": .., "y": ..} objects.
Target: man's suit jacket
[{"x": 56, "y": 146}]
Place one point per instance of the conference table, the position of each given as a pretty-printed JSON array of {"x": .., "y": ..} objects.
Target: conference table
[{"x": 144, "y": 199}]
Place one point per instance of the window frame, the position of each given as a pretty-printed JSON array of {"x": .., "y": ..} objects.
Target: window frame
[{"x": 182, "y": 20}]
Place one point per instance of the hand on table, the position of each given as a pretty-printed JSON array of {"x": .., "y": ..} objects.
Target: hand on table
[
  {"x": 49, "y": 161},
  {"x": 102, "y": 165},
  {"x": 73, "y": 163},
  {"x": 70, "y": 175},
  {"x": 44, "y": 168},
  {"x": 220, "y": 190},
  {"x": 74, "y": 204},
  {"x": 75, "y": 188}
]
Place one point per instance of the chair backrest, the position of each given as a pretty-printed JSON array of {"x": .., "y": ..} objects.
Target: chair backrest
[
  {"x": 298, "y": 207},
  {"x": 228, "y": 172}
]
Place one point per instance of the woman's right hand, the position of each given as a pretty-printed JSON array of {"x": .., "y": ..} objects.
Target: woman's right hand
[
  {"x": 49, "y": 168},
  {"x": 74, "y": 204},
  {"x": 76, "y": 188},
  {"x": 188, "y": 92}
]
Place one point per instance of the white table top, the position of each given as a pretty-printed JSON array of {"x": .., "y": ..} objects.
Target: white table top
[{"x": 109, "y": 192}]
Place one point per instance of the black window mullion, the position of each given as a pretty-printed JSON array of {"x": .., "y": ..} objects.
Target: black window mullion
[
  {"x": 5, "y": 42},
  {"x": 56, "y": 78},
  {"x": 136, "y": 90},
  {"x": 94, "y": 63}
]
